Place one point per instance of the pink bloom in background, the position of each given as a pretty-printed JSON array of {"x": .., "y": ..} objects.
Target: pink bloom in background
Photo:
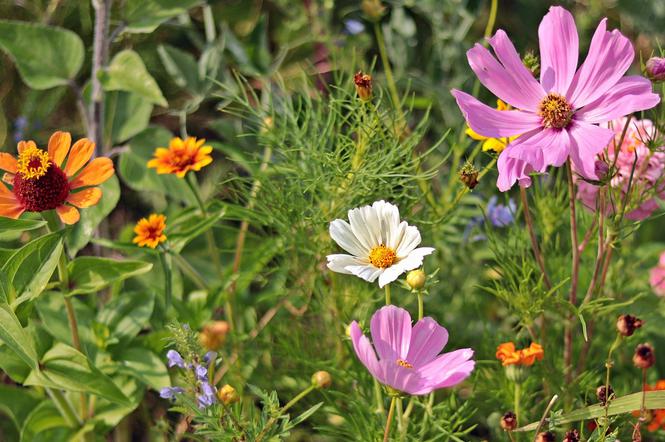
[
  {"x": 409, "y": 359},
  {"x": 556, "y": 118},
  {"x": 657, "y": 277},
  {"x": 647, "y": 175}
]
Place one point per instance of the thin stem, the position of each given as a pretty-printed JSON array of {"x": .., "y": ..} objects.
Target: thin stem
[
  {"x": 494, "y": 7},
  {"x": 190, "y": 271},
  {"x": 389, "y": 420},
  {"x": 378, "y": 397},
  {"x": 544, "y": 418},
  {"x": 387, "y": 288},
  {"x": 100, "y": 51},
  {"x": 390, "y": 80},
  {"x": 532, "y": 235},
  {"x": 420, "y": 305},
  {"x": 400, "y": 418},
  {"x": 572, "y": 298},
  {"x": 64, "y": 407},
  {"x": 518, "y": 395},
  {"x": 167, "y": 280},
  {"x": 283, "y": 410},
  {"x": 608, "y": 368}
]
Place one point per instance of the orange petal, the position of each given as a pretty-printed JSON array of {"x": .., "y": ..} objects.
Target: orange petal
[
  {"x": 7, "y": 162},
  {"x": 96, "y": 172},
  {"x": 11, "y": 210},
  {"x": 85, "y": 198},
  {"x": 80, "y": 154},
  {"x": 23, "y": 145},
  {"x": 68, "y": 214},
  {"x": 58, "y": 146}
]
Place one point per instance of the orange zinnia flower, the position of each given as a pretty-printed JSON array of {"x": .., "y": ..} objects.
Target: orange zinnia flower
[
  {"x": 150, "y": 231},
  {"x": 181, "y": 157},
  {"x": 508, "y": 355},
  {"x": 39, "y": 181},
  {"x": 657, "y": 416}
]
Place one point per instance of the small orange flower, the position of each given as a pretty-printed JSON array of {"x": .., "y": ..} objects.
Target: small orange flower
[
  {"x": 657, "y": 416},
  {"x": 41, "y": 181},
  {"x": 508, "y": 355},
  {"x": 150, "y": 231},
  {"x": 181, "y": 157}
]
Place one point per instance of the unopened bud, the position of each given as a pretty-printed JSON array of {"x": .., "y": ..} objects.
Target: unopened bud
[
  {"x": 321, "y": 379},
  {"x": 644, "y": 356},
  {"x": 603, "y": 394},
  {"x": 228, "y": 395},
  {"x": 267, "y": 125},
  {"x": 509, "y": 421},
  {"x": 572, "y": 436},
  {"x": 468, "y": 175},
  {"x": 363, "y": 84},
  {"x": 416, "y": 279},
  {"x": 532, "y": 63},
  {"x": 213, "y": 335},
  {"x": 373, "y": 9},
  {"x": 655, "y": 69},
  {"x": 627, "y": 324},
  {"x": 545, "y": 436},
  {"x": 602, "y": 169}
]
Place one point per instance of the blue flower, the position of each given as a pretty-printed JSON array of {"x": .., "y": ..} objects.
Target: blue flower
[
  {"x": 207, "y": 396},
  {"x": 501, "y": 215},
  {"x": 170, "y": 392},
  {"x": 201, "y": 372},
  {"x": 175, "y": 359},
  {"x": 354, "y": 27},
  {"x": 210, "y": 356}
]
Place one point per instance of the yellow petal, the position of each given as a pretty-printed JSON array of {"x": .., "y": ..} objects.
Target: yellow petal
[
  {"x": 473, "y": 134},
  {"x": 494, "y": 145},
  {"x": 58, "y": 146}
]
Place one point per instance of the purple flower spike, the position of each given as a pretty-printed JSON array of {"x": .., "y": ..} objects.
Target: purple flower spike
[
  {"x": 170, "y": 392},
  {"x": 409, "y": 359},
  {"x": 175, "y": 359},
  {"x": 201, "y": 372},
  {"x": 207, "y": 396}
]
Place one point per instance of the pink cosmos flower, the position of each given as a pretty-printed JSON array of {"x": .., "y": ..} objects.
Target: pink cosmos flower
[
  {"x": 409, "y": 359},
  {"x": 657, "y": 277},
  {"x": 647, "y": 174},
  {"x": 556, "y": 118}
]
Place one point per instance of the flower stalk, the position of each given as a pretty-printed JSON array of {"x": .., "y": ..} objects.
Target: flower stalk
[{"x": 389, "y": 419}]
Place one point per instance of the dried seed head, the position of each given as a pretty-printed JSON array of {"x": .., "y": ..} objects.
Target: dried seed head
[
  {"x": 545, "y": 436},
  {"x": 468, "y": 175},
  {"x": 363, "y": 84},
  {"x": 509, "y": 421},
  {"x": 627, "y": 324},
  {"x": 572, "y": 436},
  {"x": 644, "y": 356},
  {"x": 604, "y": 395}
]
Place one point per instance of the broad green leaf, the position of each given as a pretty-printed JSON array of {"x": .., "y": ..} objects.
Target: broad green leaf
[
  {"x": 16, "y": 337},
  {"x": 126, "y": 72},
  {"x": 30, "y": 268},
  {"x": 126, "y": 115},
  {"x": 45, "y": 56},
  {"x": 89, "y": 274},
  {"x": 181, "y": 66},
  {"x": 80, "y": 234},
  {"x": 66, "y": 368},
  {"x": 110, "y": 414},
  {"x": 144, "y": 16},
  {"x": 52, "y": 311},
  {"x": 19, "y": 225},
  {"x": 127, "y": 314},
  {"x": 17, "y": 403},
  {"x": 145, "y": 366},
  {"x": 44, "y": 424}
]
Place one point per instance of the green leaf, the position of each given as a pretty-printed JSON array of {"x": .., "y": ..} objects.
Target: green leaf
[
  {"x": 193, "y": 227},
  {"x": 45, "y": 56},
  {"x": 53, "y": 314},
  {"x": 66, "y": 368},
  {"x": 19, "y": 225},
  {"x": 89, "y": 274},
  {"x": 181, "y": 66},
  {"x": 145, "y": 366},
  {"x": 17, "y": 403},
  {"x": 144, "y": 16},
  {"x": 128, "y": 73},
  {"x": 30, "y": 268},
  {"x": 127, "y": 114},
  {"x": 44, "y": 423},
  {"x": 127, "y": 314},
  {"x": 16, "y": 337},
  {"x": 80, "y": 234}
]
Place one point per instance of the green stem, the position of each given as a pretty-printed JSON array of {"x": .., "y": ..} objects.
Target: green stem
[
  {"x": 389, "y": 420},
  {"x": 390, "y": 80},
  {"x": 421, "y": 308},
  {"x": 64, "y": 407},
  {"x": 378, "y": 397},
  {"x": 283, "y": 410},
  {"x": 518, "y": 393},
  {"x": 190, "y": 271},
  {"x": 387, "y": 288},
  {"x": 167, "y": 280},
  {"x": 401, "y": 428},
  {"x": 608, "y": 368}
]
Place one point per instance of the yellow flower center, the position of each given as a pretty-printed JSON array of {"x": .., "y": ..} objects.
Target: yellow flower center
[
  {"x": 403, "y": 363},
  {"x": 555, "y": 111},
  {"x": 382, "y": 257},
  {"x": 33, "y": 163}
]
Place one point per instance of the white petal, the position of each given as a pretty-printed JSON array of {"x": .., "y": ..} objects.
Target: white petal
[
  {"x": 367, "y": 272},
  {"x": 396, "y": 235},
  {"x": 339, "y": 263},
  {"x": 365, "y": 226},
  {"x": 341, "y": 233},
  {"x": 390, "y": 274},
  {"x": 414, "y": 259},
  {"x": 410, "y": 241}
]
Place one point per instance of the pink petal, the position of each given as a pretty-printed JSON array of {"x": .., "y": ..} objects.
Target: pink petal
[
  {"x": 427, "y": 340},
  {"x": 657, "y": 280},
  {"x": 391, "y": 332},
  {"x": 630, "y": 94},
  {"x": 512, "y": 170},
  {"x": 491, "y": 122},
  {"x": 531, "y": 91},
  {"x": 501, "y": 81},
  {"x": 400, "y": 378},
  {"x": 448, "y": 369},
  {"x": 559, "y": 47},
  {"x": 364, "y": 350},
  {"x": 586, "y": 141},
  {"x": 548, "y": 147},
  {"x": 610, "y": 56}
]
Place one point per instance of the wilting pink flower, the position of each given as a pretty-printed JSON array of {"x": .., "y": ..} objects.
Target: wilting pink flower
[
  {"x": 632, "y": 157},
  {"x": 657, "y": 277},
  {"x": 556, "y": 118},
  {"x": 409, "y": 359}
]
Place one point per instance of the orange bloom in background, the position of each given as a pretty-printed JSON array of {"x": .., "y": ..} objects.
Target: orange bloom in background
[
  {"x": 657, "y": 416},
  {"x": 508, "y": 355},
  {"x": 61, "y": 179},
  {"x": 181, "y": 157},
  {"x": 150, "y": 231}
]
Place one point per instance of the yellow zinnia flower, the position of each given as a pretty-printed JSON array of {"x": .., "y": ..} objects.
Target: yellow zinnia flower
[
  {"x": 181, "y": 157},
  {"x": 492, "y": 144},
  {"x": 150, "y": 231}
]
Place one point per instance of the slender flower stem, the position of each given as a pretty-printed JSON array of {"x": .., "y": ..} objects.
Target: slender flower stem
[
  {"x": 378, "y": 397},
  {"x": 544, "y": 418},
  {"x": 283, "y": 410},
  {"x": 389, "y": 420},
  {"x": 532, "y": 235},
  {"x": 518, "y": 396},
  {"x": 390, "y": 79},
  {"x": 64, "y": 407},
  {"x": 572, "y": 298},
  {"x": 401, "y": 428},
  {"x": 421, "y": 309},
  {"x": 608, "y": 368},
  {"x": 190, "y": 271},
  {"x": 100, "y": 50},
  {"x": 167, "y": 280},
  {"x": 387, "y": 288}
]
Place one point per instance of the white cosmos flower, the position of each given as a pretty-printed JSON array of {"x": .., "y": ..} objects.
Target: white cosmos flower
[{"x": 380, "y": 246}]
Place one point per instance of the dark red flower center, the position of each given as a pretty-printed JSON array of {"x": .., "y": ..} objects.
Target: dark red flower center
[{"x": 42, "y": 193}]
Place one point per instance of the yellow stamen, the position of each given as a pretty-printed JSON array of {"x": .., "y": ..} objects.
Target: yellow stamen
[
  {"x": 403, "y": 363},
  {"x": 33, "y": 163},
  {"x": 382, "y": 257},
  {"x": 555, "y": 111}
]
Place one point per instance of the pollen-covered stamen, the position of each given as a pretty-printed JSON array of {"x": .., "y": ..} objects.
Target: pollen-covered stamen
[
  {"x": 382, "y": 256},
  {"x": 33, "y": 163},
  {"x": 42, "y": 192},
  {"x": 403, "y": 363},
  {"x": 555, "y": 111}
]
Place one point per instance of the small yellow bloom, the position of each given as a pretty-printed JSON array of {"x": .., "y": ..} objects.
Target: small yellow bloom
[
  {"x": 150, "y": 231},
  {"x": 492, "y": 144},
  {"x": 181, "y": 157}
]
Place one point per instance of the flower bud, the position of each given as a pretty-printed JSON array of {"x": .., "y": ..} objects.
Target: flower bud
[
  {"x": 213, "y": 335},
  {"x": 655, "y": 69},
  {"x": 532, "y": 63},
  {"x": 373, "y": 9},
  {"x": 228, "y": 395},
  {"x": 545, "y": 436},
  {"x": 627, "y": 324},
  {"x": 321, "y": 379},
  {"x": 416, "y": 279},
  {"x": 572, "y": 436},
  {"x": 602, "y": 169},
  {"x": 509, "y": 421},
  {"x": 267, "y": 124},
  {"x": 468, "y": 175},
  {"x": 644, "y": 356},
  {"x": 363, "y": 84},
  {"x": 603, "y": 395}
]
